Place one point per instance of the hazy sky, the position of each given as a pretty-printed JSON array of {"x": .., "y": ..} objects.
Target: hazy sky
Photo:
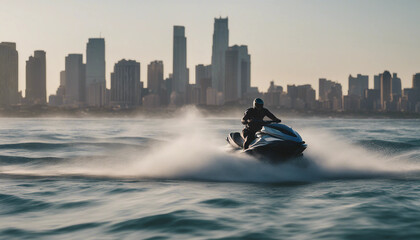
[{"x": 289, "y": 41}]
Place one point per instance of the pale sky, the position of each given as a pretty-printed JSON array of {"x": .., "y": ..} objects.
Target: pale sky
[{"x": 290, "y": 42}]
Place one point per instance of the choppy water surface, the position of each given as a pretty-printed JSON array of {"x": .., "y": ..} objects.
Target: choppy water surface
[{"x": 176, "y": 179}]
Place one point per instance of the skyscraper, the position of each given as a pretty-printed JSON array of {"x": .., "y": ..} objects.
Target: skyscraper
[
  {"x": 416, "y": 88},
  {"x": 61, "y": 90},
  {"x": 220, "y": 45},
  {"x": 155, "y": 77},
  {"x": 36, "y": 82},
  {"x": 396, "y": 85},
  {"x": 8, "y": 74},
  {"x": 237, "y": 72},
  {"x": 125, "y": 84},
  {"x": 377, "y": 81},
  {"x": 245, "y": 69},
  {"x": 358, "y": 85},
  {"x": 95, "y": 72},
  {"x": 386, "y": 89},
  {"x": 335, "y": 97},
  {"x": 324, "y": 88},
  {"x": 232, "y": 75},
  {"x": 330, "y": 94},
  {"x": 180, "y": 72},
  {"x": 63, "y": 78},
  {"x": 203, "y": 80},
  {"x": 302, "y": 96},
  {"x": 416, "y": 81},
  {"x": 75, "y": 80}
]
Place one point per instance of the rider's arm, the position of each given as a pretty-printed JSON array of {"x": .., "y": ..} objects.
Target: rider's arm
[
  {"x": 246, "y": 118},
  {"x": 271, "y": 116}
]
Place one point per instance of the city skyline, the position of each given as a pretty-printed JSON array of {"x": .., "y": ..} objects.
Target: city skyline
[{"x": 360, "y": 37}]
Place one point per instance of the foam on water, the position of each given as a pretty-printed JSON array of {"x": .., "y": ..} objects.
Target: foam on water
[{"x": 197, "y": 153}]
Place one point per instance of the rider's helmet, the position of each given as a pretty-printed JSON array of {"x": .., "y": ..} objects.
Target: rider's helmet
[{"x": 258, "y": 103}]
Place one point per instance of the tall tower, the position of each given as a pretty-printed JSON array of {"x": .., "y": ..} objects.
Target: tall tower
[
  {"x": 203, "y": 80},
  {"x": 125, "y": 83},
  {"x": 416, "y": 81},
  {"x": 358, "y": 85},
  {"x": 75, "y": 80},
  {"x": 8, "y": 74},
  {"x": 377, "y": 81},
  {"x": 95, "y": 72},
  {"x": 245, "y": 61},
  {"x": 237, "y": 72},
  {"x": 36, "y": 80},
  {"x": 155, "y": 77},
  {"x": 180, "y": 72},
  {"x": 386, "y": 89},
  {"x": 220, "y": 45},
  {"x": 396, "y": 85}
]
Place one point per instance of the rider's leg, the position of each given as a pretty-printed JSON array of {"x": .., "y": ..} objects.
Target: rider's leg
[{"x": 248, "y": 136}]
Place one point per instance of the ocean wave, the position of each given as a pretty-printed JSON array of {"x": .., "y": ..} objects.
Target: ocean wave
[
  {"x": 21, "y": 233},
  {"x": 7, "y": 160},
  {"x": 180, "y": 221},
  {"x": 389, "y": 146},
  {"x": 11, "y": 205},
  {"x": 43, "y": 146}
]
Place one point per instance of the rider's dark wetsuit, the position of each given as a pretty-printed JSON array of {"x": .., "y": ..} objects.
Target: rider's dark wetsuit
[{"x": 253, "y": 121}]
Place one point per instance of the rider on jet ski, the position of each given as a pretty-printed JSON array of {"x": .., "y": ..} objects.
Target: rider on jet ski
[{"x": 253, "y": 121}]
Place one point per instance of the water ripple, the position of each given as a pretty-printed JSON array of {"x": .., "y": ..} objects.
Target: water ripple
[{"x": 177, "y": 222}]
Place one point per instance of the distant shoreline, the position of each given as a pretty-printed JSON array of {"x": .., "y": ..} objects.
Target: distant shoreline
[{"x": 171, "y": 112}]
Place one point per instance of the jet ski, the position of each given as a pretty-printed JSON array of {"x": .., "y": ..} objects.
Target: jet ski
[{"x": 275, "y": 142}]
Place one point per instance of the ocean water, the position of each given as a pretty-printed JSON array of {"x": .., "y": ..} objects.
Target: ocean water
[{"x": 136, "y": 178}]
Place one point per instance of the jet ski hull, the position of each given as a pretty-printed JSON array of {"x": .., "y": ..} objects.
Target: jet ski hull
[
  {"x": 275, "y": 143},
  {"x": 278, "y": 151}
]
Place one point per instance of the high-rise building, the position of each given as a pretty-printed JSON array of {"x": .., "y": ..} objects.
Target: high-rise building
[
  {"x": 167, "y": 90},
  {"x": 155, "y": 85},
  {"x": 203, "y": 80},
  {"x": 273, "y": 95},
  {"x": 155, "y": 77},
  {"x": 358, "y": 85},
  {"x": 58, "y": 98},
  {"x": 416, "y": 81},
  {"x": 125, "y": 84},
  {"x": 194, "y": 94},
  {"x": 245, "y": 70},
  {"x": 386, "y": 89},
  {"x": 307, "y": 94},
  {"x": 95, "y": 72},
  {"x": 36, "y": 79},
  {"x": 214, "y": 97},
  {"x": 335, "y": 97},
  {"x": 220, "y": 45},
  {"x": 324, "y": 87},
  {"x": 180, "y": 71},
  {"x": 372, "y": 99},
  {"x": 330, "y": 94},
  {"x": 8, "y": 74},
  {"x": 416, "y": 89},
  {"x": 232, "y": 75},
  {"x": 75, "y": 80},
  {"x": 237, "y": 72},
  {"x": 412, "y": 97},
  {"x": 396, "y": 85},
  {"x": 63, "y": 78},
  {"x": 377, "y": 81},
  {"x": 302, "y": 96}
]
